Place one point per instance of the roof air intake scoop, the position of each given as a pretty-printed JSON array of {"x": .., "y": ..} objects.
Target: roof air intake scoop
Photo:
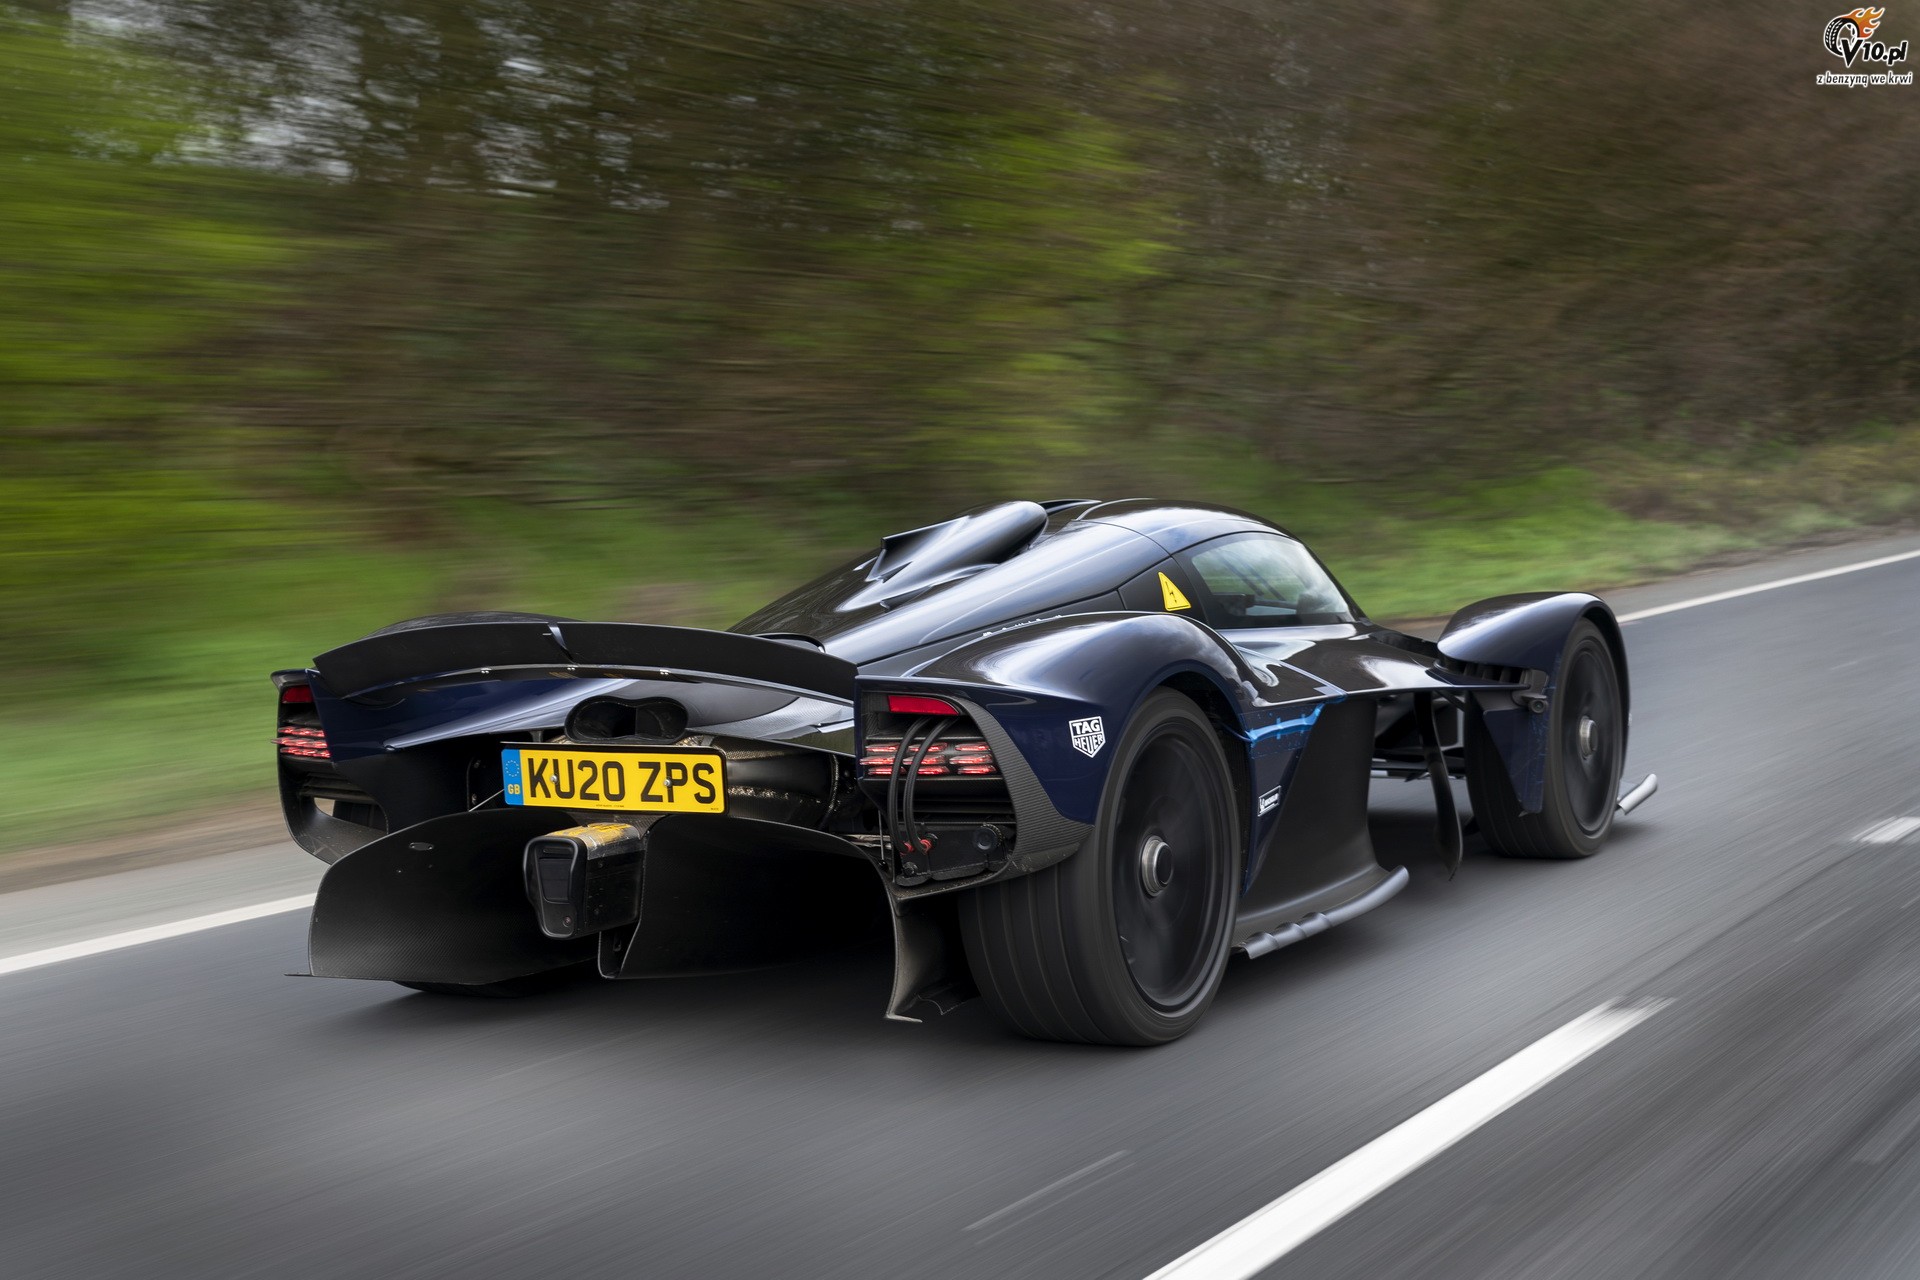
[{"x": 918, "y": 559}]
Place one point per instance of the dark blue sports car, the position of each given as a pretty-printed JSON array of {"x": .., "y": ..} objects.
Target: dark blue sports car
[{"x": 1075, "y": 753}]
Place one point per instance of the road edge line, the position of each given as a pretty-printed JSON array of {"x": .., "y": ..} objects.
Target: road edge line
[
  {"x": 151, "y": 933},
  {"x": 1262, "y": 1238},
  {"x": 1774, "y": 585}
]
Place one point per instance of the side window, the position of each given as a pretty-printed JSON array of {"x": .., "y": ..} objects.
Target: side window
[{"x": 1264, "y": 580}]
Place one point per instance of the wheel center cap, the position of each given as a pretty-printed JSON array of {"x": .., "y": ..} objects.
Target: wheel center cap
[
  {"x": 1589, "y": 735},
  {"x": 1156, "y": 866}
]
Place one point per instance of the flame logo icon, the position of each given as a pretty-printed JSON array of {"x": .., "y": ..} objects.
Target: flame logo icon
[{"x": 1863, "y": 22}]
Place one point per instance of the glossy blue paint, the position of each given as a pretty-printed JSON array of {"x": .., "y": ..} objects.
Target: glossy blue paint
[
  {"x": 1079, "y": 562},
  {"x": 1175, "y": 526},
  {"x": 1518, "y": 631},
  {"x": 1297, "y": 724},
  {"x": 1035, "y": 679}
]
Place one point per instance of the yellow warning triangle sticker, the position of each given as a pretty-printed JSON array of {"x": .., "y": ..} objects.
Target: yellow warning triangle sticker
[{"x": 1170, "y": 594}]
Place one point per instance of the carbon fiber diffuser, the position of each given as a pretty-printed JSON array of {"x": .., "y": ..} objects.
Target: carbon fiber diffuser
[{"x": 443, "y": 901}]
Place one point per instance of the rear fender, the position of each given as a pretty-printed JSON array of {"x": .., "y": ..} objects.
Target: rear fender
[
  {"x": 1059, "y": 693},
  {"x": 1530, "y": 632}
]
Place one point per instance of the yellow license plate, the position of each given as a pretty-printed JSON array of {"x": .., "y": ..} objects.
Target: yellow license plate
[{"x": 629, "y": 781}]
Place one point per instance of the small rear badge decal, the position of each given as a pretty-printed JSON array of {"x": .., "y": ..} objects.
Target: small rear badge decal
[
  {"x": 1172, "y": 596},
  {"x": 1089, "y": 735},
  {"x": 1269, "y": 802}
]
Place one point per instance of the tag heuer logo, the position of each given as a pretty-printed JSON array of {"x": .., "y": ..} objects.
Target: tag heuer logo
[{"x": 1089, "y": 735}]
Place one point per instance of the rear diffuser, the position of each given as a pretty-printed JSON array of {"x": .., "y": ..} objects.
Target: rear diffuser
[{"x": 444, "y": 900}]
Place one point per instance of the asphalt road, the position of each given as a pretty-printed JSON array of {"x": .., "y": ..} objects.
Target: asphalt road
[{"x": 179, "y": 1108}]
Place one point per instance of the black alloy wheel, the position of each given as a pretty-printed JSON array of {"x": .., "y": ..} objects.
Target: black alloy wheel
[
  {"x": 1590, "y": 739},
  {"x": 1169, "y": 880},
  {"x": 1126, "y": 941},
  {"x": 1586, "y": 751}
]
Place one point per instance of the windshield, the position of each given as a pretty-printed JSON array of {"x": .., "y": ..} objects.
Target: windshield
[{"x": 1264, "y": 580}]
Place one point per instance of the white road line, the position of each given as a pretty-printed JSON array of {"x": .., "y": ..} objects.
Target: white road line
[
  {"x": 152, "y": 933},
  {"x": 1026, "y": 1200},
  {"x": 1257, "y": 1242},
  {"x": 1775, "y": 585},
  {"x": 1891, "y": 831}
]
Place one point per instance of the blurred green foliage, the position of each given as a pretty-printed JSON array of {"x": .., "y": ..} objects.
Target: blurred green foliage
[
  {"x": 114, "y": 260},
  {"x": 319, "y": 313}
]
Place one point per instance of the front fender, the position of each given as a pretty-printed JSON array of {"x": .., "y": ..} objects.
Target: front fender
[{"x": 1530, "y": 631}]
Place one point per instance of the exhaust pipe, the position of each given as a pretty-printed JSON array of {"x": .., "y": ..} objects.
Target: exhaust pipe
[
  {"x": 1639, "y": 795},
  {"x": 586, "y": 879}
]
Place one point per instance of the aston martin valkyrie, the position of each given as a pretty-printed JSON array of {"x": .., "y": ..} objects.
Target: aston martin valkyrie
[{"x": 1072, "y": 755}]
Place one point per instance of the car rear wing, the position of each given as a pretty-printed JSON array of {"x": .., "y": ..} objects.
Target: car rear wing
[{"x": 380, "y": 667}]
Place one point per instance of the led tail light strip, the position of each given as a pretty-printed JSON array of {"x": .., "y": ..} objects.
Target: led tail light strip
[
  {"x": 304, "y": 743},
  {"x": 955, "y": 758}
]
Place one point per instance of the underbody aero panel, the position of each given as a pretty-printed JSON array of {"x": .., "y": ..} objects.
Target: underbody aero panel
[
  {"x": 442, "y": 901},
  {"x": 1318, "y": 841},
  {"x": 729, "y": 893},
  {"x": 446, "y": 901}
]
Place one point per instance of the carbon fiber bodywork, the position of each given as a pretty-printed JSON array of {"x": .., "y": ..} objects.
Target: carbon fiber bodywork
[{"x": 443, "y": 901}]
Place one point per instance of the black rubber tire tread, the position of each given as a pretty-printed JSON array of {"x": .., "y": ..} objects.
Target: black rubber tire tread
[
  {"x": 1015, "y": 941},
  {"x": 451, "y": 619},
  {"x": 1550, "y": 833},
  {"x": 1038, "y": 961}
]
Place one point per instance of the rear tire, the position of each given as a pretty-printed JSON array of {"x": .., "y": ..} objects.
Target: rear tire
[
  {"x": 1124, "y": 942},
  {"x": 1586, "y": 749}
]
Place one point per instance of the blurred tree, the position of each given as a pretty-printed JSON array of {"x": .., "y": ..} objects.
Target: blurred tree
[
  {"x": 117, "y": 253},
  {"x": 726, "y": 238},
  {"x": 766, "y": 243},
  {"x": 122, "y": 261}
]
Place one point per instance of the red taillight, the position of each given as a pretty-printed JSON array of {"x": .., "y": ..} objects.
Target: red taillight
[
  {"x": 971, "y": 759},
  {"x": 878, "y": 762},
  {"x": 913, "y": 704},
  {"x": 296, "y": 695},
  {"x": 302, "y": 742}
]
